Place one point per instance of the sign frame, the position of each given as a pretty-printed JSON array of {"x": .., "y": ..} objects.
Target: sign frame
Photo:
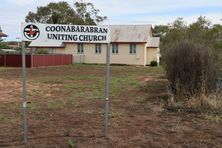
[{"x": 65, "y": 33}]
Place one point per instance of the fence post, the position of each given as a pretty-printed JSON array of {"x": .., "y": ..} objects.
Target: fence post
[
  {"x": 32, "y": 60},
  {"x": 62, "y": 59},
  {"x": 72, "y": 60},
  {"x": 53, "y": 60},
  {"x": 5, "y": 60},
  {"x": 43, "y": 59}
]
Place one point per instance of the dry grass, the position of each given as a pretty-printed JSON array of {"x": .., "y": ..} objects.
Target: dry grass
[{"x": 204, "y": 104}]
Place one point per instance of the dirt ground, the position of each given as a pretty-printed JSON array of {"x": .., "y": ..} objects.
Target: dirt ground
[{"x": 66, "y": 109}]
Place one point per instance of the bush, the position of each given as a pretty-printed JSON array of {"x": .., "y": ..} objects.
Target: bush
[
  {"x": 41, "y": 51},
  {"x": 190, "y": 70},
  {"x": 153, "y": 63},
  {"x": 3, "y": 45}
]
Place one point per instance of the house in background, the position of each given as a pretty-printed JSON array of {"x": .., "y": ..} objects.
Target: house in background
[
  {"x": 130, "y": 44},
  {"x": 13, "y": 44},
  {"x": 2, "y": 34},
  {"x": 8, "y": 51}
]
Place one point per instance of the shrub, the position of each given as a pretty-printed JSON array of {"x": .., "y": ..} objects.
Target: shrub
[
  {"x": 153, "y": 63},
  {"x": 3, "y": 45},
  {"x": 190, "y": 70},
  {"x": 41, "y": 51}
]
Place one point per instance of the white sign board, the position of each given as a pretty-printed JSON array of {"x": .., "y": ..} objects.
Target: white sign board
[{"x": 65, "y": 33}]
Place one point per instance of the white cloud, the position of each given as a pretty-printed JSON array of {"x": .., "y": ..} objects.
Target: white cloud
[
  {"x": 13, "y": 12},
  {"x": 117, "y": 7}
]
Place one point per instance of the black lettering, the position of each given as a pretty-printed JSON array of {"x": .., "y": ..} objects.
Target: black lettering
[
  {"x": 91, "y": 29},
  {"x": 105, "y": 30},
  {"x": 52, "y": 28},
  {"x": 73, "y": 29},
  {"x": 90, "y": 37},
  {"x": 55, "y": 37},
  {"x": 95, "y": 38},
  {"x": 57, "y": 28},
  {"x": 47, "y": 28},
  {"x": 68, "y": 29},
  {"x": 49, "y": 36},
  {"x": 96, "y": 30},
  {"x": 82, "y": 29},
  {"x": 69, "y": 37},
  {"x": 75, "y": 37},
  {"x": 62, "y": 28},
  {"x": 77, "y": 29},
  {"x": 81, "y": 38},
  {"x": 87, "y": 29}
]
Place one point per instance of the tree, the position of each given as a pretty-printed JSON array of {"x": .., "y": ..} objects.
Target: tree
[
  {"x": 171, "y": 33},
  {"x": 0, "y": 37},
  {"x": 3, "y": 45},
  {"x": 201, "y": 32},
  {"x": 63, "y": 13},
  {"x": 160, "y": 30},
  {"x": 89, "y": 13}
]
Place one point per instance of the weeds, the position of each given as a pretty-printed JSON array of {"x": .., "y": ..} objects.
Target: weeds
[
  {"x": 1, "y": 117},
  {"x": 33, "y": 106},
  {"x": 72, "y": 143},
  {"x": 115, "y": 115},
  {"x": 213, "y": 117}
]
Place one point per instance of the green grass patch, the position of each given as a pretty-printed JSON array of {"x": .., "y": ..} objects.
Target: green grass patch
[
  {"x": 55, "y": 105},
  {"x": 33, "y": 105},
  {"x": 71, "y": 143},
  {"x": 51, "y": 80},
  {"x": 115, "y": 114},
  {"x": 92, "y": 86}
]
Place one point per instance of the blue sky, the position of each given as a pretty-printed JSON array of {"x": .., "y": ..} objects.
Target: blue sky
[{"x": 153, "y": 12}]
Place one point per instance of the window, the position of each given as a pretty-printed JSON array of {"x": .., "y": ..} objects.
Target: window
[
  {"x": 132, "y": 48},
  {"x": 51, "y": 50},
  {"x": 115, "y": 48},
  {"x": 80, "y": 48},
  {"x": 97, "y": 48}
]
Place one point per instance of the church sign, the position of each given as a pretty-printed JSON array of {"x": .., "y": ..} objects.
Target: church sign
[{"x": 65, "y": 33}]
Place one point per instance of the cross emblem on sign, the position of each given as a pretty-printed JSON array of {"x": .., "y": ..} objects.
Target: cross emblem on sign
[{"x": 31, "y": 32}]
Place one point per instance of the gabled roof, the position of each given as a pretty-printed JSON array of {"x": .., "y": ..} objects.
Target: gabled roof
[
  {"x": 8, "y": 50},
  {"x": 3, "y": 34},
  {"x": 119, "y": 34},
  {"x": 130, "y": 33},
  {"x": 46, "y": 44},
  {"x": 153, "y": 42}
]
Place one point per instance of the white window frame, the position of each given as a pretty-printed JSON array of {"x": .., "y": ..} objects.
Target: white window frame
[
  {"x": 132, "y": 48},
  {"x": 80, "y": 48},
  {"x": 98, "y": 48},
  {"x": 115, "y": 48}
]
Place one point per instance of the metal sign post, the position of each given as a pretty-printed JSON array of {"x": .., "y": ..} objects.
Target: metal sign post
[
  {"x": 107, "y": 88},
  {"x": 60, "y": 33},
  {"x": 25, "y": 114}
]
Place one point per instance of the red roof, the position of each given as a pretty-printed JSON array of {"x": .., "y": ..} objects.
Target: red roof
[{"x": 3, "y": 35}]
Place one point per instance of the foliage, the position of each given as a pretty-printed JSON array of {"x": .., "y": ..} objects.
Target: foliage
[
  {"x": 89, "y": 13},
  {"x": 71, "y": 143},
  {"x": 190, "y": 69},
  {"x": 3, "y": 45},
  {"x": 19, "y": 49},
  {"x": 202, "y": 31},
  {"x": 63, "y": 13},
  {"x": 153, "y": 63},
  {"x": 41, "y": 51}
]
